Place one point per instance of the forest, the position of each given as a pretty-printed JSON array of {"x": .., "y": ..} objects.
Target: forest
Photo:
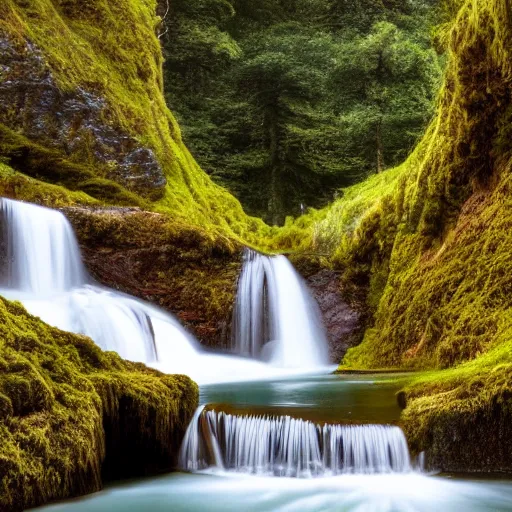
[
  {"x": 255, "y": 255},
  {"x": 285, "y": 103}
]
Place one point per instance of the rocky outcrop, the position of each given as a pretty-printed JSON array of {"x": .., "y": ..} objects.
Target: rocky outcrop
[
  {"x": 461, "y": 419},
  {"x": 344, "y": 325},
  {"x": 77, "y": 123},
  {"x": 189, "y": 272}
]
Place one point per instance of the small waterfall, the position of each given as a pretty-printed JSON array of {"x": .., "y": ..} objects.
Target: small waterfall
[
  {"x": 44, "y": 270},
  {"x": 42, "y": 255},
  {"x": 275, "y": 317},
  {"x": 115, "y": 321},
  {"x": 284, "y": 446}
]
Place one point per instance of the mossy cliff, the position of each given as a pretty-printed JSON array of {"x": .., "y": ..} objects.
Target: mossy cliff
[
  {"x": 429, "y": 244},
  {"x": 73, "y": 416},
  {"x": 82, "y": 105}
]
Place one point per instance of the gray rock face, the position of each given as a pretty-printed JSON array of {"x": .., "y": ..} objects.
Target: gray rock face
[
  {"x": 78, "y": 123},
  {"x": 343, "y": 324}
]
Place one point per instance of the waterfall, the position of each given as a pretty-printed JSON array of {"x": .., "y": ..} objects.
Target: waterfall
[
  {"x": 284, "y": 446},
  {"x": 43, "y": 269},
  {"x": 41, "y": 252},
  {"x": 275, "y": 317}
]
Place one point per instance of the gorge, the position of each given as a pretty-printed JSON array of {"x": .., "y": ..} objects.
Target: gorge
[{"x": 160, "y": 347}]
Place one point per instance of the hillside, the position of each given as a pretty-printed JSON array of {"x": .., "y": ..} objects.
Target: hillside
[
  {"x": 82, "y": 105},
  {"x": 428, "y": 246}
]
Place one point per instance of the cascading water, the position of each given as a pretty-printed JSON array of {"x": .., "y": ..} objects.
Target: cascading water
[
  {"x": 275, "y": 318},
  {"x": 42, "y": 255},
  {"x": 43, "y": 269},
  {"x": 284, "y": 446}
]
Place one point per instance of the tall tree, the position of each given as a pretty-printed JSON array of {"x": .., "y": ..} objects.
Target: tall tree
[
  {"x": 284, "y": 73},
  {"x": 386, "y": 85}
]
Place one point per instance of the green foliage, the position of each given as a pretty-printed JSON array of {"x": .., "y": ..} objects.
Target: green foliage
[
  {"x": 386, "y": 84},
  {"x": 275, "y": 119},
  {"x": 285, "y": 70}
]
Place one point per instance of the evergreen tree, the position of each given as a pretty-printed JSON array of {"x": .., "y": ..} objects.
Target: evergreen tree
[
  {"x": 284, "y": 101},
  {"x": 386, "y": 85}
]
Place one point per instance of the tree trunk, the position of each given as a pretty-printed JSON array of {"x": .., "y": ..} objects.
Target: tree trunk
[
  {"x": 380, "y": 148},
  {"x": 274, "y": 200}
]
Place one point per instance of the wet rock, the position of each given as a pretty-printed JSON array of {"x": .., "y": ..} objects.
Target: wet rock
[
  {"x": 344, "y": 324},
  {"x": 168, "y": 264},
  {"x": 78, "y": 123}
]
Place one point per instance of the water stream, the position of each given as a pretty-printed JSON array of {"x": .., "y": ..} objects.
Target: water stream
[
  {"x": 280, "y": 446},
  {"x": 43, "y": 269},
  {"x": 222, "y": 489},
  {"x": 275, "y": 318},
  {"x": 288, "y": 436}
]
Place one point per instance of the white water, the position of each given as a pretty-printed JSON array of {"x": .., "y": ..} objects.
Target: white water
[
  {"x": 43, "y": 269},
  {"x": 275, "y": 317},
  {"x": 180, "y": 492},
  {"x": 285, "y": 446},
  {"x": 41, "y": 250}
]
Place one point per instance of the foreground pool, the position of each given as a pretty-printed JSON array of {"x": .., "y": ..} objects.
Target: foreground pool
[{"x": 325, "y": 398}]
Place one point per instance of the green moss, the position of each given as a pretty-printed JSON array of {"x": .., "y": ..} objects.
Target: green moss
[
  {"x": 110, "y": 192},
  {"x": 48, "y": 165},
  {"x": 462, "y": 417},
  {"x": 72, "y": 414},
  {"x": 19, "y": 186}
]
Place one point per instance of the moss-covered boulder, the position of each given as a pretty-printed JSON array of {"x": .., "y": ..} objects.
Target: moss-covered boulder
[
  {"x": 82, "y": 105},
  {"x": 462, "y": 418},
  {"x": 72, "y": 416}
]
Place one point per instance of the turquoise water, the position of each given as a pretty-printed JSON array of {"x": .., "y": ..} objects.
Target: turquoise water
[
  {"x": 216, "y": 493},
  {"x": 333, "y": 398},
  {"x": 324, "y": 398}
]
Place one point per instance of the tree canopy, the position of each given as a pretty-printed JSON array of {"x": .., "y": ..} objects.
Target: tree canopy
[{"x": 286, "y": 101}]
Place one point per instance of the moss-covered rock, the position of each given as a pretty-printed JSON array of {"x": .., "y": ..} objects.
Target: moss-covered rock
[
  {"x": 72, "y": 416},
  {"x": 462, "y": 418},
  {"x": 73, "y": 123},
  {"x": 188, "y": 271},
  {"x": 16, "y": 185}
]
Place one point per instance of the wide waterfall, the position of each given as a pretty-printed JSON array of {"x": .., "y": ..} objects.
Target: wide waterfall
[
  {"x": 43, "y": 269},
  {"x": 275, "y": 318},
  {"x": 285, "y": 446}
]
